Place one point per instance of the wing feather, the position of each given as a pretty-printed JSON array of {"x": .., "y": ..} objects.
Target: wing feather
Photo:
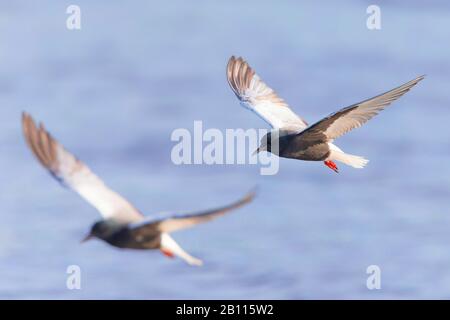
[
  {"x": 178, "y": 222},
  {"x": 354, "y": 116},
  {"x": 255, "y": 95},
  {"x": 75, "y": 174}
]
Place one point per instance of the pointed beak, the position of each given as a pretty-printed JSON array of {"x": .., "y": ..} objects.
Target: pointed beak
[
  {"x": 88, "y": 237},
  {"x": 262, "y": 147}
]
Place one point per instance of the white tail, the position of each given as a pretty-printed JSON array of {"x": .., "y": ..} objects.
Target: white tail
[
  {"x": 349, "y": 159},
  {"x": 354, "y": 161},
  {"x": 168, "y": 244}
]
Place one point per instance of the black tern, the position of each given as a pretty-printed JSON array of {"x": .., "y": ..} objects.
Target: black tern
[
  {"x": 295, "y": 138},
  {"x": 122, "y": 225}
]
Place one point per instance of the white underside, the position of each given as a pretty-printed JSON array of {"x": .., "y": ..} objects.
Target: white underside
[
  {"x": 167, "y": 243},
  {"x": 349, "y": 159}
]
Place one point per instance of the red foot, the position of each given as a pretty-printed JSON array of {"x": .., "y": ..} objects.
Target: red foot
[
  {"x": 330, "y": 164},
  {"x": 167, "y": 253}
]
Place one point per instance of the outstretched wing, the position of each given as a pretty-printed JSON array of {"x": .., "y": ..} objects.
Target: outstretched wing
[
  {"x": 75, "y": 174},
  {"x": 354, "y": 116},
  {"x": 178, "y": 222},
  {"x": 255, "y": 95}
]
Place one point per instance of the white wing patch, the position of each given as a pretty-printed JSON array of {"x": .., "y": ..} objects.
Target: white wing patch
[
  {"x": 255, "y": 95},
  {"x": 75, "y": 174}
]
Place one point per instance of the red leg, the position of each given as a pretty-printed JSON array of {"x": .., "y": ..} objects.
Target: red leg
[
  {"x": 330, "y": 164},
  {"x": 167, "y": 253}
]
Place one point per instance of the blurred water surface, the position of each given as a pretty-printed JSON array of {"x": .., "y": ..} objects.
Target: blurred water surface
[{"x": 114, "y": 91}]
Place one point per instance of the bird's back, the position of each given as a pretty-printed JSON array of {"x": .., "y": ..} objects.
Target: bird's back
[
  {"x": 132, "y": 239},
  {"x": 295, "y": 146}
]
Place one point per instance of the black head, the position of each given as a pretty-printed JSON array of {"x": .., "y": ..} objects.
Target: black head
[
  {"x": 265, "y": 143},
  {"x": 273, "y": 142},
  {"x": 101, "y": 229}
]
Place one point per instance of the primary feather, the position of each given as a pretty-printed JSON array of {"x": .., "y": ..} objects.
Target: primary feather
[
  {"x": 75, "y": 174},
  {"x": 255, "y": 95}
]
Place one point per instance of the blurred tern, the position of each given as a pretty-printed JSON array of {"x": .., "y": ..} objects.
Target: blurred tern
[
  {"x": 296, "y": 139},
  {"x": 122, "y": 225}
]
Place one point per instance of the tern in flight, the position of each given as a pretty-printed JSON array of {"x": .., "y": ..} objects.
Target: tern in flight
[
  {"x": 291, "y": 136},
  {"x": 122, "y": 225}
]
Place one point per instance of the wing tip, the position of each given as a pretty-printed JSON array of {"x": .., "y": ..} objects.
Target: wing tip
[
  {"x": 408, "y": 85},
  {"x": 26, "y": 119},
  {"x": 401, "y": 90},
  {"x": 419, "y": 78},
  {"x": 249, "y": 196},
  {"x": 25, "y": 115},
  {"x": 39, "y": 141},
  {"x": 239, "y": 75},
  {"x": 28, "y": 127}
]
